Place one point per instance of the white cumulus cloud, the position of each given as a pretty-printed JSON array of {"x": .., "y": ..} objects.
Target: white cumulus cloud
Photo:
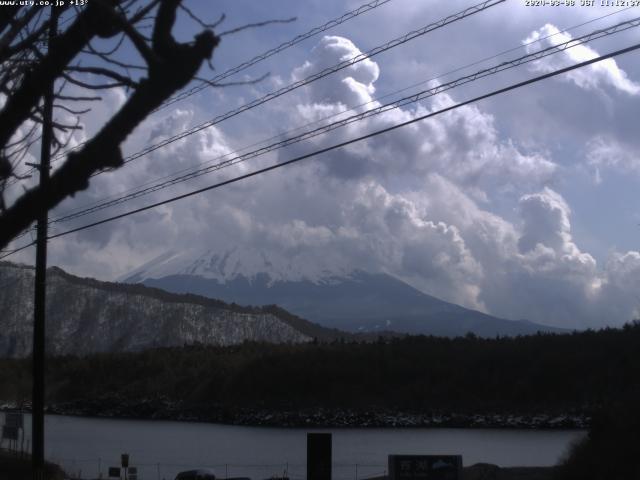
[
  {"x": 605, "y": 73},
  {"x": 606, "y": 152},
  {"x": 419, "y": 203}
]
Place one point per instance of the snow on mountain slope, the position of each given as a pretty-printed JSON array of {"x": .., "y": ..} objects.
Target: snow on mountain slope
[
  {"x": 239, "y": 262},
  {"x": 331, "y": 295},
  {"x": 87, "y": 316}
]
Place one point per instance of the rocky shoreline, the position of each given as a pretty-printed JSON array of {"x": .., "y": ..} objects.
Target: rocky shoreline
[{"x": 165, "y": 409}]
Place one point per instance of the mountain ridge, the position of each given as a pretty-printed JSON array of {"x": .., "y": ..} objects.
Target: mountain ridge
[
  {"x": 245, "y": 262},
  {"x": 348, "y": 299},
  {"x": 85, "y": 315}
]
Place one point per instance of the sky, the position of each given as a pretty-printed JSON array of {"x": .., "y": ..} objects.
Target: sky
[{"x": 524, "y": 205}]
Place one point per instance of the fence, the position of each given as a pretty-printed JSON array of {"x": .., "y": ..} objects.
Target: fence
[{"x": 97, "y": 468}]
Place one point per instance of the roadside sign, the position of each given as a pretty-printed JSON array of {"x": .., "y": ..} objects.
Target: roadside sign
[
  {"x": 10, "y": 433},
  {"x": 124, "y": 460},
  {"x": 318, "y": 456},
  {"x": 114, "y": 472},
  {"x": 425, "y": 467},
  {"x": 14, "y": 420}
]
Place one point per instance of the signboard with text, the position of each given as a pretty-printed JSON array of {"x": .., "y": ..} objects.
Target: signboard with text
[
  {"x": 318, "y": 456},
  {"x": 14, "y": 420},
  {"x": 425, "y": 467},
  {"x": 10, "y": 433}
]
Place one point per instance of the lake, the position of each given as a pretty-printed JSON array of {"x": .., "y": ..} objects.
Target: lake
[{"x": 160, "y": 449}]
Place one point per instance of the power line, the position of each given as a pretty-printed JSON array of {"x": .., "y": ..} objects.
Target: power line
[
  {"x": 353, "y": 108},
  {"x": 362, "y": 9},
  {"x": 323, "y": 73},
  {"x": 312, "y": 78},
  {"x": 30, "y": 171},
  {"x": 16, "y": 250},
  {"x": 351, "y": 141},
  {"x": 340, "y": 145},
  {"x": 249, "y": 63},
  {"x": 504, "y": 52},
  {"x": 280, "y": 48},
  {"x": 361, "y": 116},
  {"x": 135, "y": 193}
]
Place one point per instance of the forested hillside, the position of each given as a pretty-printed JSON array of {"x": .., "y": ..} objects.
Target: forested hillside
[
  {"x": 87, "y": 316},
  {"x": 551, "y": 374}
]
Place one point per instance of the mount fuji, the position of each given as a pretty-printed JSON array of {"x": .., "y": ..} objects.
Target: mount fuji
[{"x": 322, "y": 292}]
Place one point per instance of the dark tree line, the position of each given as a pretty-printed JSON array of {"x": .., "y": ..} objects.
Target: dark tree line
[
  {"x": 594, "y": 372},
  {"x": 542, "y": 373}
]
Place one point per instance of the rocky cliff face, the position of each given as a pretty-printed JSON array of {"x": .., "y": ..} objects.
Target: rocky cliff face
[{"x": 86, "y": 316}]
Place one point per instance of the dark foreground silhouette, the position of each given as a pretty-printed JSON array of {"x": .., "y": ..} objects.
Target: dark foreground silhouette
[
  {"x": 536, "y": 381},
  {"x": 611, "y": 451}
]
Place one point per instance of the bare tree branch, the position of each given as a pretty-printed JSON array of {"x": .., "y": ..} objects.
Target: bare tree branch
[
  {"x": 140, "y": 14},
  {"x": 104, "y": 57},
  {"x": 17, "y": 27},
  {"x": 23, "y": 43},
  {"x": 32, "y": 65},
  {"x": 127, "y": 25},
  {"x": 121, "y": 79},
  {"x": 23, "y": 138},
  {"x": 7, "y": 15},
  {"x": 89, "y": 86},
  {"x": 233, "y": 84},
  {"x": 62, "y": 51},
  {"x": 200, "y": 22},
  {"x": 71, "y": 111},
  {"x": 171, "y": 66},
  {"x": 255, "y": 25},
  {"x": 78, "y": 99},
  {"x": 117, "y": 46}
]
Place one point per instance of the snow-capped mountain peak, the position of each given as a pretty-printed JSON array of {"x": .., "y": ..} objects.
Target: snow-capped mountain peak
[
  {"x": 321, "y": 289},
  {"x": 241, "y": 262}
]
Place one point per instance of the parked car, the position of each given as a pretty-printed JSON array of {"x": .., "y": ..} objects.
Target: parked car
[{"x": 200, "y": 474}]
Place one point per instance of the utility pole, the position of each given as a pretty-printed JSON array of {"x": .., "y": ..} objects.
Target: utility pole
[{"x": 37, "y": 398}]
